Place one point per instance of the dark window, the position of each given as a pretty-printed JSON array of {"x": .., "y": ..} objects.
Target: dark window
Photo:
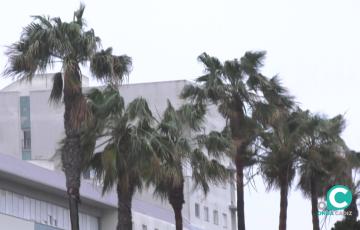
[
  {"x": 27, "y": 140},
  {"x": 197, "y": 210}
]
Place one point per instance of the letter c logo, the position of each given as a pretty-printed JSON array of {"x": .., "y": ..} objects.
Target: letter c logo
[{"x": 338, "y": 197}]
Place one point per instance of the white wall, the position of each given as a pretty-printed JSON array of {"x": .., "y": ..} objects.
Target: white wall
[
  {"x": 10, "y": 133},
  {"x": 151, "y": 223},
  {"x": 13, "y": 223},
  {"x": 109, "y": 221},
  {"x": 218, "y": 199},
  {"x": 47, "y": 127},
  {"x": 39, "y": 82},
  {"x": 155, "y": 93}
]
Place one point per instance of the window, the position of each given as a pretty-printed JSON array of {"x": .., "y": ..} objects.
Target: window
[
  {"x": 25, "y": 112},
  {"x": 44, "y": 212},
  {"x": 216, "y": 217},
  {"x": 51, "y": 220},
  {"x": 27, "y": 140},
  {"x": 197, "y": 210},
  {"x": 144, "y": 227},
  {"x": 2, "y": 201},
  {"x": 225, "y": 220},
  {"x": 206, "y": 214},
  {"x": 8, "y": 203}
]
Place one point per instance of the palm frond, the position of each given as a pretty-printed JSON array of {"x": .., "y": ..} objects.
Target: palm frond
[
  {"x": 206, "y": 171},
  {"x": 57, "y": 88},
  {"x": 251, "y": 62},
  {"x": 139, "y": 109},
  {"x": 110, "y": 68},
  {"x": 78, "y": 15}
]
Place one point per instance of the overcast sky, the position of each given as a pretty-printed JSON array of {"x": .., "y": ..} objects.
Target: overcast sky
[{"x": 312, "y": 45}]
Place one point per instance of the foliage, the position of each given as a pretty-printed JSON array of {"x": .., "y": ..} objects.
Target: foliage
[
  {"x": 322, "y": 157},
  {"x": 129, "y": 143},
  {"x": 346, "y": 225},
  {"x": 178, "y": 129}
]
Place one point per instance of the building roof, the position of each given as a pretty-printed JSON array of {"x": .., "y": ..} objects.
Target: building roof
[{"x": 38, "y": 82}]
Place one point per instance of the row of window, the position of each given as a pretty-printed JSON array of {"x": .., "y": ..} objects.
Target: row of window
[
  {"x": 207, "y": 215},
  {"x": 42, "y": 212}
]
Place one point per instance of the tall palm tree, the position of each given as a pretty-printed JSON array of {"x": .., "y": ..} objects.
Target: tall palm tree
[
  {"x": 320, "y": 158},
  {"x": 177, "y": 129},
  {"x": 127, "y": 151},
  {"x": 236, "y": 86},
  {"x": 47, "y": 42},
  {"x": 278, "y": 162}
]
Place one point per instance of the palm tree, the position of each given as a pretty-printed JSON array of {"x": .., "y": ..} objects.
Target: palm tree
[
  {"x": 128, "y": 150},
  {"x": 321, "y": 163},
  {"x": 278, "y": 162},
  {"x": 176, "y": 129},
  {"x": 47, "y": 42},
  {"x": 236, "y": 86}
]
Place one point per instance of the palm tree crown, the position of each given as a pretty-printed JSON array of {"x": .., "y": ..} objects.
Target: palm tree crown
[{"x": 129, "y": 148}]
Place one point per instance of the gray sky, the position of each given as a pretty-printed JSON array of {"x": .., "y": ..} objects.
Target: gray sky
[{"x": 312, "y": 45}]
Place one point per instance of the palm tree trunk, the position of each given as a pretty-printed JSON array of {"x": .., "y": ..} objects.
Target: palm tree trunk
[
  {"x": 240, "y": 191},
  {"x": 237, "y": 121},
  {"x": 176, "y": 199},
  {"x": 71, "y": 161},
  {"x": 124, "y": 209},
  {"x": 71, "y": 151},
  {"x": 314, "y": 205},
  {"x": 178, "y": 219},
  {"x": 284, "y": 189}
]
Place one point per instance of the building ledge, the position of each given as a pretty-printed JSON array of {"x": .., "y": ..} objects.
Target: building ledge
[{"x": 52, "y": 181}]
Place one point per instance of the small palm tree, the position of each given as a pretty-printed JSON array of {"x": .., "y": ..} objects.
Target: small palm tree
[
  {"x": 129, "y": 147},
  {"x": 43, "y": 44},
  {"x": 176, "y": 130},
  {"x": 321, "y": 164},
  {"x": 236, "y": 86}
]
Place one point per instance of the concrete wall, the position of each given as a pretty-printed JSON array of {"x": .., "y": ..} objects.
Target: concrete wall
[
  {"x": 13, "y": 223},
  {"x": 218, "y": 199},
  {"x": 10, "y": 132},
  {"x": 108, "y": 220},
  {"x": 155, "y": 93},
  {"x": 151, "y": 223},
  {"x": 47, "y": 127},
  {"x": 39, "y": 82}
]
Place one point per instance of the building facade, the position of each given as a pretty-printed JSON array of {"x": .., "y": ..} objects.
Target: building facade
[{"x": 30, "y": 130}]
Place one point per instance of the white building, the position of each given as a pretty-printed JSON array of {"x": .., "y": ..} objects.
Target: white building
[{"x": 32, "y": 190}]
